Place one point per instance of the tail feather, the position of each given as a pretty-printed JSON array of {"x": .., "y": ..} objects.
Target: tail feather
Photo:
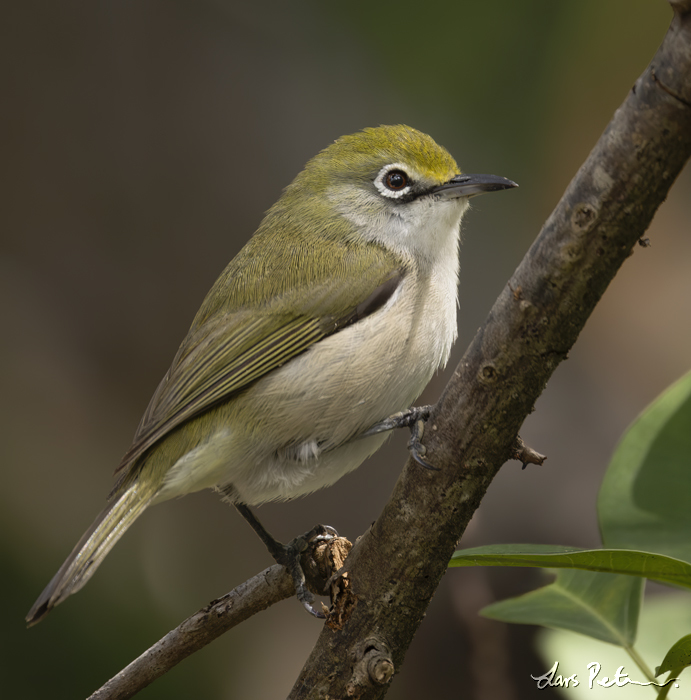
[{"x": 90, "y": 551}]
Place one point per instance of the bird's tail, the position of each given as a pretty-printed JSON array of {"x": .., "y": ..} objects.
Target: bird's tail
[{"x": 90, "y": 551}]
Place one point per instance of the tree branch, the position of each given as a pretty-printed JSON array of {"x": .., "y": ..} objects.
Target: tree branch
[
  {"x": 394, "y": 569},
  {"x": 320, "y": 561},
  {"x": 258, "y": 593},
  {"x": 396, "y": 566}
]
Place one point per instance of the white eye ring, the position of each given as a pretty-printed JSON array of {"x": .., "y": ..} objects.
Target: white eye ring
[{"x": 384, "y": 181}]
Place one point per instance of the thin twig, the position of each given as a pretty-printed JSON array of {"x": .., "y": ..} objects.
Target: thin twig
[
  {"x": 258, "y": 593},
  {"x": 396, "y": 566}
]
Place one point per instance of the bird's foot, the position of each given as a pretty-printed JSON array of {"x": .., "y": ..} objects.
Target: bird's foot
[
  {"x": 413, "y": 418},
  {"x": 289, "y": 556},
  {"x": 415, "y": 447}
]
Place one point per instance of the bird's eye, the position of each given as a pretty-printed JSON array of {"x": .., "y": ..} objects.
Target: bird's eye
[
  {"x": 396, "y": 180},
  {"x": 393, "y": 182}
]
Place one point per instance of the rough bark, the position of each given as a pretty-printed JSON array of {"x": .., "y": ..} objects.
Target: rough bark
[
  {"x": 394, "y": 569},
  {"x": 396, "y": 566}
]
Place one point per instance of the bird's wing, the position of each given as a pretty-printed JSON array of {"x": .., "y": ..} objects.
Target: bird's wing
[{"x": 238, "y": 337}]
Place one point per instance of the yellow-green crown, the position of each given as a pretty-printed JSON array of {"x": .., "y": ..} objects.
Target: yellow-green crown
[{"x": 363, "y": 154}]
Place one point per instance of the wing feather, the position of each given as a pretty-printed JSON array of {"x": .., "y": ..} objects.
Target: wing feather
[{"x": 225, "y": 351}]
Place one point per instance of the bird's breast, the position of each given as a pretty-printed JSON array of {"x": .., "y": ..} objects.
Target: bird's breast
[
  {"x": 296, "y": 429},
  {"x": 364, "y": 372}
]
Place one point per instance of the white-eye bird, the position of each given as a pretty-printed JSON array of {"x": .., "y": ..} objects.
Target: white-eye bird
[{"x": 334, "y": 316}]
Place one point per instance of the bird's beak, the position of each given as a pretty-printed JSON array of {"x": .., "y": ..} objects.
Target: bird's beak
[{"x": 470, "y": 185}]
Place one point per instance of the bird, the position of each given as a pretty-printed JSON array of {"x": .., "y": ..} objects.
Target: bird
[{"x": 331, "y": 320}]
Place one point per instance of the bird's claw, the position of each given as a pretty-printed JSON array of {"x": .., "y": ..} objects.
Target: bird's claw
[
  {"x": 413, "y": 418},
  {"x": 290, "y": 560},
  {"x": 415, "y": 447}
]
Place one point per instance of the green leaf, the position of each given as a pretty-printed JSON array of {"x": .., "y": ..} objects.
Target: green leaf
[
  {"x": 663, "y": 620},
  {"x": 602, "y": 606},
  {"x": 644, "y": 498},
  {"x": 677, "y": 658},
  {"x": 642, "y": 506},
  {"x": 618, "y": 561}
]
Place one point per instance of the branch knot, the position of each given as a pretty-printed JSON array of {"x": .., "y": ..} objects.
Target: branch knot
[{"x": 374, "y": 667}]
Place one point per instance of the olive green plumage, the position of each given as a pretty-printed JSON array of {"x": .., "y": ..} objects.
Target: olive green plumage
[
  {"x": 275, "y": 300},
  {"x": 334, "y": 315},
  {"x": 243, "y": 331}
]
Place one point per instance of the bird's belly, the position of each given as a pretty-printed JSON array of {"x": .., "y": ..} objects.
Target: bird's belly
[
  {"x": 300, "y": 423},
  {"x": 315, "y": 406}
]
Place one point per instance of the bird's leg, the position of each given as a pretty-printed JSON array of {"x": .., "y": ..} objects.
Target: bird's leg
[
  {"x": 288, "y": 555},
  {"x": 413, "y": 418},
  {"x": 402, "y": 419}
]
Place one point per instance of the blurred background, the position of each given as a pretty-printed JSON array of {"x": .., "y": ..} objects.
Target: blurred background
[{"x": 142, "y": 143}]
